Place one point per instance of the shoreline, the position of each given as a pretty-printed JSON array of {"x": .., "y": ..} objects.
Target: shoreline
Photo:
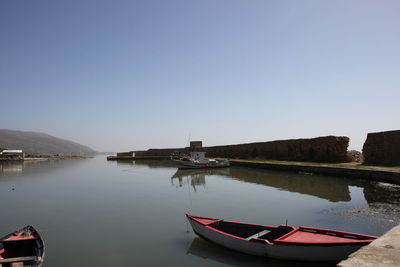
[{"x": 54, "y": 158}]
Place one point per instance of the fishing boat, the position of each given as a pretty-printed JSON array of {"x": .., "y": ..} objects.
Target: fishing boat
[
  {"x": 22, "y": 248},
  {"x": 209, "y": 164},
  {"x": 280, "y": 242},
  {"x": 197, "y": 160}
]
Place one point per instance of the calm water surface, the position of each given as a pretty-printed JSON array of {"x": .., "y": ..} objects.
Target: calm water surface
[{"x": 98, "y": 213}]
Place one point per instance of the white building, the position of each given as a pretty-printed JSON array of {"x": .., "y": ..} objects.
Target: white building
[{"x": 12, "y": 154}]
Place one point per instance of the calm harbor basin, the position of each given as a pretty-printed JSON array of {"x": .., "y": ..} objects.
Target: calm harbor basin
[{"x": 95, "y": 212}]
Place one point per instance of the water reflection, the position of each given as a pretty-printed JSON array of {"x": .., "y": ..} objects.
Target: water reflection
[
  {"x": 326, "y": 187},
  {"x": 381, "y": 193},
  {"x": 11, "y": 167},
  {"x": 333, "y": 189},
  {"x": 150, "y": 163},
  {"x": 85, "y": 197},
  {"x": 35, "y": 166},
  {"x": 329, "y": 188},
  {"x": 196, "y": 177},
  {"x": 207, "y": 250}
]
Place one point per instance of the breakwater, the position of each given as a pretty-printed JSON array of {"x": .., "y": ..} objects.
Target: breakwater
[
  {"x": 392, "y": 177},
  {"x": 382, "y": 148},
  {"x": 319, "y": 149}
]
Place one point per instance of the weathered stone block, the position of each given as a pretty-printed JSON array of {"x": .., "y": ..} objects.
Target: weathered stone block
[
  {"x": 320, "y": 149},
  {"x": 382, "y": 148}
]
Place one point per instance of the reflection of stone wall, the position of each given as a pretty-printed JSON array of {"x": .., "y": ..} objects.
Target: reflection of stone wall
[
  {"x": 330, "y": 188},
  {"x": 382, "y": 148},
  {"x": 320, "y": 149}
]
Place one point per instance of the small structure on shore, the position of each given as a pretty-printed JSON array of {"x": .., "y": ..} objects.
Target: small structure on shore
[{"x": 9, "y": 154}]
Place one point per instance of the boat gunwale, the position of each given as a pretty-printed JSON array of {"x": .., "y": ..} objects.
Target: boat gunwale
[{"x": 208, "y": 226}]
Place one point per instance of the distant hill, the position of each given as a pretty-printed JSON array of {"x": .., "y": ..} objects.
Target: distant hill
[{"x": 35, "y": 143}]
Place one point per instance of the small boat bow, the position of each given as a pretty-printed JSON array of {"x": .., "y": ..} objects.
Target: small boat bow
[{"x": 24, "y": 247}]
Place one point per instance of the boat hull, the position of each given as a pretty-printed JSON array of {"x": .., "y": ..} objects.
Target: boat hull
[
  {"x": 194, "y": 165},
  {"x": 277, "y": 251}
]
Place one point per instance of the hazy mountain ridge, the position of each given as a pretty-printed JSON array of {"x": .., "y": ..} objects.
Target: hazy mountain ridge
[{"x": 36, "y": 143}]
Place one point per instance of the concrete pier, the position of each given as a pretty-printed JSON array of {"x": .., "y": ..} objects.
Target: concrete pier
[
  {"x": 385, "y": 252},
  {"x": 377, "y": 174}
]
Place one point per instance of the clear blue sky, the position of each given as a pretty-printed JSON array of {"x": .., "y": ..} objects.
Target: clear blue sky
[{"x": 122, "y": 75}]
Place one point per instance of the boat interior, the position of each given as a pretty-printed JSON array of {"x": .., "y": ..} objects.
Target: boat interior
[
  {"x": 249, "y": 231},
  {"x": 18, "y": 251}
]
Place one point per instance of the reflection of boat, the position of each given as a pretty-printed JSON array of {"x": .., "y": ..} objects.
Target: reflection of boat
[
  {"x": 22, "y": 248},
  {"x": 197, "y": 160},
  {"x": 282, "y": 242},
  {"x": 197, "y": 176},
  {"x": 196, "y": 172}
]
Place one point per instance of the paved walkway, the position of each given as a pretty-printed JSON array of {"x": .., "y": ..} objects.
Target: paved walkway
[{"x": 385, "y": 252}]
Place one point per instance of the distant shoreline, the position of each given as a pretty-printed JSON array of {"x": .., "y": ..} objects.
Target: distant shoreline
[
  {"x": 55, "y": 158},
  {"x": 41, "y": 159}
]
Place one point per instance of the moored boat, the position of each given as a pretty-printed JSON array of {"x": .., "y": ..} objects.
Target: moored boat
[
  {"x": 24, "y": 248},
  {"x": 197, "y": 160},
  {"x": 280, "y": 242},
  {"x": 209, "y": 164}
]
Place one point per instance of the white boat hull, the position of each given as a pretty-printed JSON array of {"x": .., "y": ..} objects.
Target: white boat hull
[
  {"x": 196, "y": 165},
  {"x": 277, "y": 251}
]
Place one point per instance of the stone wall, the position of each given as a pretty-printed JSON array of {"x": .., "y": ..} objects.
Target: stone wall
[
  {"x": 159, "y": 152},
  {"x": 320, "y": 149},
  {"x": 125, "y": 154},
  {"x": 382, "y": 148}
]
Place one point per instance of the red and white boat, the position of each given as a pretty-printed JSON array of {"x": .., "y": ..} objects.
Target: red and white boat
[
  {"x": 23, "y": 248},
  {"x": 280, "y": 242}
]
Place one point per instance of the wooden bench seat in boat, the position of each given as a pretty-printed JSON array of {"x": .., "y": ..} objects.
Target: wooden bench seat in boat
[
  {"x": 7, "y": 260},
  {"x": 259, "y": 234}
]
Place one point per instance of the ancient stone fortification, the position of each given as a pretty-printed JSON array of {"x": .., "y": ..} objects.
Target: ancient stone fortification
[
  {"x": 159, "y": 152},
  {"x": 382, "y": 148},
  {"x": 320, "y": 149}
]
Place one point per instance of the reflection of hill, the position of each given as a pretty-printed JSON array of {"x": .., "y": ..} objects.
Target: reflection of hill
[
  {"x": 36, "y": 167},
  {"x": 210, "y": 251},
  {"x": 326, "y": 187}
]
